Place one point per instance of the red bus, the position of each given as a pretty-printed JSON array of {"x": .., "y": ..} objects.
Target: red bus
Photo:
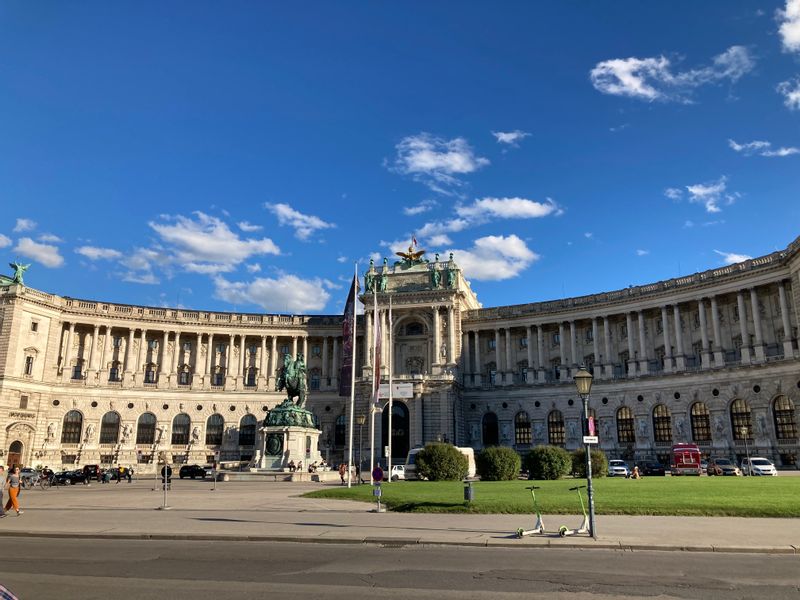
[{"x": 685, "y": 460}]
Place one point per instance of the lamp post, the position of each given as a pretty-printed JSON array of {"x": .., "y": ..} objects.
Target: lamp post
[
  {"x": 361, "y": 418},
  {"x": 583, "y": 381},
  {"x": 745, "y": 432}
]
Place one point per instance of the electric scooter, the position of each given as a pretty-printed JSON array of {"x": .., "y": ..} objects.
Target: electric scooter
[
  {"x": 564, "y": 531},
  {"x": 539, "y": 528}
]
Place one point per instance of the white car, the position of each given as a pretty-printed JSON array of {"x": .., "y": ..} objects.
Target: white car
[
  {"x": 398, "y": 473},
  {"x": 618, "y": 468},
  {"x": 758, "y": 465}
]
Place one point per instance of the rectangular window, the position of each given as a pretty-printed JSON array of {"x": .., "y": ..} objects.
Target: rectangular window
[
  {"x": 187, "y": 346},
  {"x": 77, "y": 372},
  {"x": 23, "y": 402},
  {"x": 106, "y": 459},
  {"x": 28, "y": 366},
  {"x": 523, "y": 342},
  {"x": 556, "y": 339},
  {"x": 34, "y": 326},
  {"x": 117, "y": 341},
  {"x": 623, "y": 331},
  {"x": 68, "y": 459},
  {"x": 316, "y": 351},
  {"x": 152, "y": 344},
  {"x": 113, "y": 374},
  {"x": 284, "y": 349},
  {"x": 220, "y": 348},
  {"x": 253, "y": 350},
  {"x": 492, "y": 344},
  {"x": 589, "y": 335}
]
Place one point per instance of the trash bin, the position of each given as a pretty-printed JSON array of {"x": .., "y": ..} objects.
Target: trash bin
[{"x": 469, "y": 492}]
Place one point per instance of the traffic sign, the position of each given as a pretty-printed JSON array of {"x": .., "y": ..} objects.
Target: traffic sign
[
  {"x": 377, "y": 474},
  {"x": 590, "y": 439}
]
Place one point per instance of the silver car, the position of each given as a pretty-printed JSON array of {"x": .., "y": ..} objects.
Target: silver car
[
  {"x": 618, "y": 468},
  {"x": 757, "y": 465}
]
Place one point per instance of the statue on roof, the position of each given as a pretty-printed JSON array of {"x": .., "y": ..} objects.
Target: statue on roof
[
  {"x": 413, "y": 256},
  {"x": 19, "y": 271}
]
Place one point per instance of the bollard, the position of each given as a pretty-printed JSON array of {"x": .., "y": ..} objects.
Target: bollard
[
  {"x": 377, "y": 493},
  {"x": 469, "y": 492}
]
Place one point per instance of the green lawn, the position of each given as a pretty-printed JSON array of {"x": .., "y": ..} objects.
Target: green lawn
[{"x": 698, "y": 496}]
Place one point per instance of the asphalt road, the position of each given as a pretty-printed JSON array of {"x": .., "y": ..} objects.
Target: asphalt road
[{"x": 123, "y": 569}]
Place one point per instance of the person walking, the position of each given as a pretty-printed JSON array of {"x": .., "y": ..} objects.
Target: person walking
[
  {"x": 13, "y": 490},
  {"x": 2, "y": 487},
  {"x": 342, "y": 471}
]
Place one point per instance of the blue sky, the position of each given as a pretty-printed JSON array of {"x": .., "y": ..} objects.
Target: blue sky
[{"x": 243, "y": 156}]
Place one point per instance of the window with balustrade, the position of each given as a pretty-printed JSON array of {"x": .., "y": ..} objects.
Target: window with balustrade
[
  {"x": 741, "y": 423},
  {"x": 625, "y": 433},
  {"x": 146, "y": 429},
  {"x": 247, "y": 430},
  {"x": 522, "y": 429},
  {"x": 555, "y": 428},
  {"x": 784, "y": 417},
  {"x": 215, "y": 426},
  {"x": 701, "y": 422},
  {"x": 109, "y": 428},
  {"x": 180, "y": 429},
  {"x": 662, "y": 424},
  {"x": 72, "y": 428}
]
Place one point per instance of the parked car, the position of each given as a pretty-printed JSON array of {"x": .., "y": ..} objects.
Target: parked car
[
  {"x": 28, "y": 473},
  {"x": 70, "y": 477},
  {"x": 94, "y": 471},
  {"x": 192, "y": 471},
  {"x": 398, "y": 473},
  {"x": 757, "y": 465},
  {"x": 653, "y": 468},
  {"x": 618, "y": 468},
  {"x": 723, "y": 466}
]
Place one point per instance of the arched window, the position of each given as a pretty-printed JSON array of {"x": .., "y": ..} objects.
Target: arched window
[
  {"x": 214, "y": 428},
  {"x": 109, "y": 428},
  {"x": 146, "y": 429},
  {"x": 340, "y": 431},
  {"x": 522, "y": 429},
  {"x": 701, "y": 423},
  {"x": 415, "y": 329},
  {"x": 625, "y": 434},
  {"x": 247, "y": 431},
  {"x": 491, "y": 436},
  {"x": 783, "y": 413},
  {"x": 72, "y": 428},
  {"x": 741, "y": 424},
  {"x": 555, "y": 428},
  {"x": 180, "y": 429},
  {"x": 662, "y": 424}
]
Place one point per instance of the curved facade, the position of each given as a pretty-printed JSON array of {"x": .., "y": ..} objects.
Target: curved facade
[{"x": 710, "y": 358}]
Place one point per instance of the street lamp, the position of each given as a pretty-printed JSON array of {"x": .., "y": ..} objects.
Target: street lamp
[
  {"x": 361, "y": 418},
  {"x": 745, "y": 433},
  {"x": 583, "y": 381}
]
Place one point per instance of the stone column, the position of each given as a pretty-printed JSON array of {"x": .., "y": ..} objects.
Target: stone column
[
  {"x": 668, "y": 360},
  {"x": 465, "y": 365},
  {"x": 335, "y": 364},
  {"x": 680, "y": 358},
  {"x": 631, "y": 367},
  {"x": 104, "y": 357},
  {"x": 142, "y": 354},
  {"x": 368, "y": 339},
  {"x": 705, "y": 357},
  {"x": 197, "y": 369},
  {"x": 242, "y": 363},
  {"x": 273, "y": 362},
  {"x": 305, "y": 349},
  {"x": 597, "y": 370},
  {"x": 68, "y": 351},
  {"x": 540, "y": 351},
  {"x": 229, "y": 357},
  {"x": 529, "y": 375},
  {"x": 573, "y": 348},
  {"x": 608, "y": 365},
  {"x": 325, "y": 369},
  {"x": 437, "y": 337},
  {"x": 788, "y": 351},
  {"x": 643, "y": 364},
  {"x": 451, "y": 336},
  {"x": 262, "y": 374},
  {"x": 719, "y": 356},
  {"x": 743, "y": 328},
  {"x": 163, "y": 376},
  {"x": 294, "y": 346},
  {"x": 562, "y": 351},
  {"x": 129, "y": 366},
  {"x": 759, "y": 348},
  {"x": 509, "y": 358},
  {"x": 478, "y": 366},
  {"x": 176, "y": 355},
  {"x": 209, "y": 355},
  {"x": 93, "y": 351},
  {"x": 498, "y": 362}
]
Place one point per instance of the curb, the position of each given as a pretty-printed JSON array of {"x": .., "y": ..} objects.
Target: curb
[{"x": 401, "y": 542}]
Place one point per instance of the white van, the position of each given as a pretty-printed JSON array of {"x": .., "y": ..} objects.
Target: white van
[{"x": 411, "y": 462}]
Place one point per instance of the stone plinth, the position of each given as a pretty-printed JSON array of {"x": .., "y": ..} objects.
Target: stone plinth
[{"x": 279, "y": 445}]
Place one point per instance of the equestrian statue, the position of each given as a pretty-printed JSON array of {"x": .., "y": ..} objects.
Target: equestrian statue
[{"x": 292, "y": 378}]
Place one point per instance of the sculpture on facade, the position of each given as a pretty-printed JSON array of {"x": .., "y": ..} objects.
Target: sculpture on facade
[
  {"x": 127, "y": 430},
  {"x": 451, "y": 278},
  {"x": 383, "y": 283},
  {"x": 412, "y": 257},
  {"x": 436, "y": 278},
  {"x": 369, "y": 279},
  {"x": 19, "y": 271},
  {"x": 89, "y": 433}
]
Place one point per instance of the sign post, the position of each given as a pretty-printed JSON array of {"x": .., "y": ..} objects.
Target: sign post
[{"x": 377, "y": 479}]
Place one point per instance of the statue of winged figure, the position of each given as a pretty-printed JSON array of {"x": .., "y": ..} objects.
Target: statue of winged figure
[
  {"x": 19, "y": 271},
  {"x": 412, "y": 257}
]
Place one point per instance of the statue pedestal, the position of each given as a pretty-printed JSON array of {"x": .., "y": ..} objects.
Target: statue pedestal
[{"x": 280, "y": 445}]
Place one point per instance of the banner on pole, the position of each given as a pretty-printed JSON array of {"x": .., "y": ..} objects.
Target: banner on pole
[{"x": 348, "y": 343}]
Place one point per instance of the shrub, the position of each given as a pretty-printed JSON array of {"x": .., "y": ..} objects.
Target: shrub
[
  {"x": 548, "y": 462},
  {"x": 599, "y": 463},
  {"x": 441, "y": 462},
  {"x": 498, "y": 463}
]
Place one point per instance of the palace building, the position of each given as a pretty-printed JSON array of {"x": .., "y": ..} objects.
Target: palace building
[{"x": 710, "y": 358}]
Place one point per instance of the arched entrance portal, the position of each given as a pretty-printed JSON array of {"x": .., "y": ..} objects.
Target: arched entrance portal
[
  {"x": 15, "y": 454},
  {"x": 400, "y": 432}
]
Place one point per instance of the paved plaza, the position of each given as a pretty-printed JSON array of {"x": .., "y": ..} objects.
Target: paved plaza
[{"x": 260, "y": 511}]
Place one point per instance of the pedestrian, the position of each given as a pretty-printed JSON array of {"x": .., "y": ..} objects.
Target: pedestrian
[
  {"x": 13, "y": 490},
  {"x": 358, "y": 473},
  {"x": 342, "y": 471},
  {"x": 2, "y": 486},
  {"x": 635, "y": 474},
  {"x": 129, "y": 474},
  {"x": 120, "y": 473},
  {"x": 87, "y": 475}
]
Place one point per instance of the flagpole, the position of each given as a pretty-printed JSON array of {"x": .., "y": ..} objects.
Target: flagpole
[
  {"x": 376, "y": 378},
  {"x": 353, "y": 375},
  {"x": 390, "y": 350}
]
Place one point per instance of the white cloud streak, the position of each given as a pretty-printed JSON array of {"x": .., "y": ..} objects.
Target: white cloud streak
[
  {"x": 790, "y": 90},
  {"x": 762, "y": 148},
  {"x": 45, "y": 254},
  {"x": 95, "y": 253},
  {"x": 248, "y": 227},
  {"x": 304, "y": 225},
  {"x": 510, "y": 138},
  {"x": 283, "y": 294},
  {"x": 24, "y": 225},
  {"x": 641, "y": 252},
  {"x": 789, "y": 29},
  {"x": 420, "y": 208},
  {"x": 5, "y": 241},
  {"x": 495, "y": 258},
  {"x": 730, "y": 258},
  {"x": 710, "y": 194},
  {"x": 652, "y": 79}
]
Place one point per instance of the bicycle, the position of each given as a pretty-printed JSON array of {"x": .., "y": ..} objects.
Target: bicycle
[{"x": 44, "y": 483}]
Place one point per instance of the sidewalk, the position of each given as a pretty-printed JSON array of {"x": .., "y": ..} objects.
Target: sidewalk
[{"x": 275, "y": 512}]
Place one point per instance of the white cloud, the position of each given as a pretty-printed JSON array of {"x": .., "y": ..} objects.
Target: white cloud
[
  {"x": 688, "y": 224},
  {"x": 711, "y": 194},
  {"x": 641, "y": 252},
  {"x": 5, "y": 241},
  {"x": 494, "y": 258},
  {"x": 248, "y": 227},
  {"x": 510, "y": 138},
  {"x": 652, "y": 78},
  {"x": 49, "y": 237},
  {"x": 24, "y": 225},
  {"x": 420, "y": 208},
  {"x": 439, "y": 240},
  {"x": 508, "y": 208},
  {"x": 206, "y": 242},
  {"x": 95, "y": 253},
  {"x": 304, "y": 225},
  {"x": 253, "y": 268},
  {"x": 284, "y": 294},
  {"x": 730, "y": 258},
  {"x": 762, "y": 148},
  {"x": 46, "y": 254},
  {"x": 791, "y": 93},
  {"x": 143, "y": 278},
  {"x": 588, "y": 235},
  {"x": 341, "y": 259},
  {"x": 790, "y": 26},
  {"x": 673, "y": 193},
  {"x": 436, "y": 162}
]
